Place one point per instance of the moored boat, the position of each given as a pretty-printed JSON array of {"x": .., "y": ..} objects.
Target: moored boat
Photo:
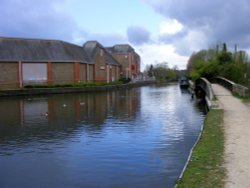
[{"x": 183, "y": 82}]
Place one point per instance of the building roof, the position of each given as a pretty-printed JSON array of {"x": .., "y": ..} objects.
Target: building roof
[
  {"x": 17, "y": 49},
  {"x": 121, "y": 48},
  {"x": 91, "y": 48}
]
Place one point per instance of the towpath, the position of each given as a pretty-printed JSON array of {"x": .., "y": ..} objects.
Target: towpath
[{"x": 237, "y": 138}]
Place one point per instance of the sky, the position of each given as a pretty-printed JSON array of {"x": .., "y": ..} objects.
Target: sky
[{"x": 159, "y": 30}]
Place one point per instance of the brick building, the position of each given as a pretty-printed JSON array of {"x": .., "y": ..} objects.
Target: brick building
[
  {"x": 37, "y": 61},
  {"x": 108, "y": 69},
  {"x": 128, "y": 58}
]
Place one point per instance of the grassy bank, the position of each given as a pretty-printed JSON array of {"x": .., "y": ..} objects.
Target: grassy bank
[
  {"x": 245, "y": 99},
  {"x": 205, "y": 168}
]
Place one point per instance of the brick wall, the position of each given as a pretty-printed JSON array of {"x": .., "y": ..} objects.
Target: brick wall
[
  {"x": 90, "y": 73},
  {"x": 130, "y": 63},
  {"x": 8, "y": 74},
  {"x": 83, "y": 71},
  {"x": 62, "y": 73},
  {"x": 100, "y": 66}
]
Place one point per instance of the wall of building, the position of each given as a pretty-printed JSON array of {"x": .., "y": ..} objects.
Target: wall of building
[
  {"x": 62, "y": 73},
  {"x": 9, "y": 75},
  {"x": 133, "y": 65},
  {"x": 123, "y": 59},
  {"x": 90, "y": 73},
  {"x": 55, "y": 73},
  {"x": 130, "y": 64},
  {"x": 83, "y": 72},
  {"x": 100, "y": 66}
]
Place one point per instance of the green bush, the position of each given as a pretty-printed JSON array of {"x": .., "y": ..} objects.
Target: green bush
[
  {"x": 84, "y": 84},
  {"x": 125, "y": 80}
]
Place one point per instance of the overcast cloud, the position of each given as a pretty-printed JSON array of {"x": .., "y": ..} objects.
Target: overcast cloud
[
  {"x": 188, "y": 26},
  {"x": 138, "y": 35},
  {"x": 216, "y": 20},
  {"x": 36, "y": 19}
]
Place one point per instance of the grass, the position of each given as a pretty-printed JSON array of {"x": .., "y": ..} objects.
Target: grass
[
  {"x": 245, "y": 99},
  {"x": 205, "y": 168}
]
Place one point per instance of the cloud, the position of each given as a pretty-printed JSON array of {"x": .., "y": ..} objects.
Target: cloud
[
  {"x": 36, "y": 19},
  {"x": 155, "y": 53},
  {"x": 138, "y": 35},
  {"x": 170, "y": 27},
  {"x": 223, "y": 21},
  {"x": 193, "y": 40}
]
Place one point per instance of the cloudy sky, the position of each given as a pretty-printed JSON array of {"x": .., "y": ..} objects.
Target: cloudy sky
[{"x": 159, "y": 30}]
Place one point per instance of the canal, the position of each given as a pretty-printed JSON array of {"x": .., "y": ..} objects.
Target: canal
[{"x": 139, "y": 137}]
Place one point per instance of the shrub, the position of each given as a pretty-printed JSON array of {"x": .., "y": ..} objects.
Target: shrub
[
  {"x": 84, "y": 84},
  {"x": 125, "y": 80}
]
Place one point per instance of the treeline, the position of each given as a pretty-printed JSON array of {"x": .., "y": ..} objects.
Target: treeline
[
  {"x": 233, "y": 65},
  {"x": 162, "y": 72}
]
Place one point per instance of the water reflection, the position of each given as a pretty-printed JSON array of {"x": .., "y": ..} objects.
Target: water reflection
[
  {"x": 51, "y": 118},
  {"x": 130, "y": 138}
]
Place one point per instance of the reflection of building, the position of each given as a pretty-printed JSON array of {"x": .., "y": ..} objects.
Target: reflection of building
[
  {"x": 10, "y": 113},
  {"x": 70, "y": 109},
  {"x": 128, "y": 58},
  {"x": 36, "y": 61},
  {"x": 123, "y": 104}
]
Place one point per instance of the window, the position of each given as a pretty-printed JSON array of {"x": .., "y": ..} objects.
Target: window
[{"x": 34, "y": 72}]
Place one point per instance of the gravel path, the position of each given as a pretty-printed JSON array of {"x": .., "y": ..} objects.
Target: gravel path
[{"x": 237, "y": 138}]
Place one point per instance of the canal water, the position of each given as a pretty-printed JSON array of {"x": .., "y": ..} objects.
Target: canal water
[{"x": 131, "y": 138}]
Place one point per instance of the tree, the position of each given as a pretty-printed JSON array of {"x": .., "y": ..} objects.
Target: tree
[
  {"x": 220, "y": 62},
  {"x": 162, "y": 72},
  {"x": 150, "y": 71},
  {"x": 224, "y": 56}
]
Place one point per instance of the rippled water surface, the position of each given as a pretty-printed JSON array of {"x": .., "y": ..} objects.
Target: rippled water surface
[{"x": 132, "y": 138}]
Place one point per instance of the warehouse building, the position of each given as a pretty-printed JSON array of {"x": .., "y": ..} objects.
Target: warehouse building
[{"x": 38, "y": 61}]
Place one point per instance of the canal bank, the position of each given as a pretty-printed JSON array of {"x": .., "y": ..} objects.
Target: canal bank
[
  {"x": 205, "y": 165},
  {"x": 229, "y": 166},
  {"x": 61, "y": 90}
]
